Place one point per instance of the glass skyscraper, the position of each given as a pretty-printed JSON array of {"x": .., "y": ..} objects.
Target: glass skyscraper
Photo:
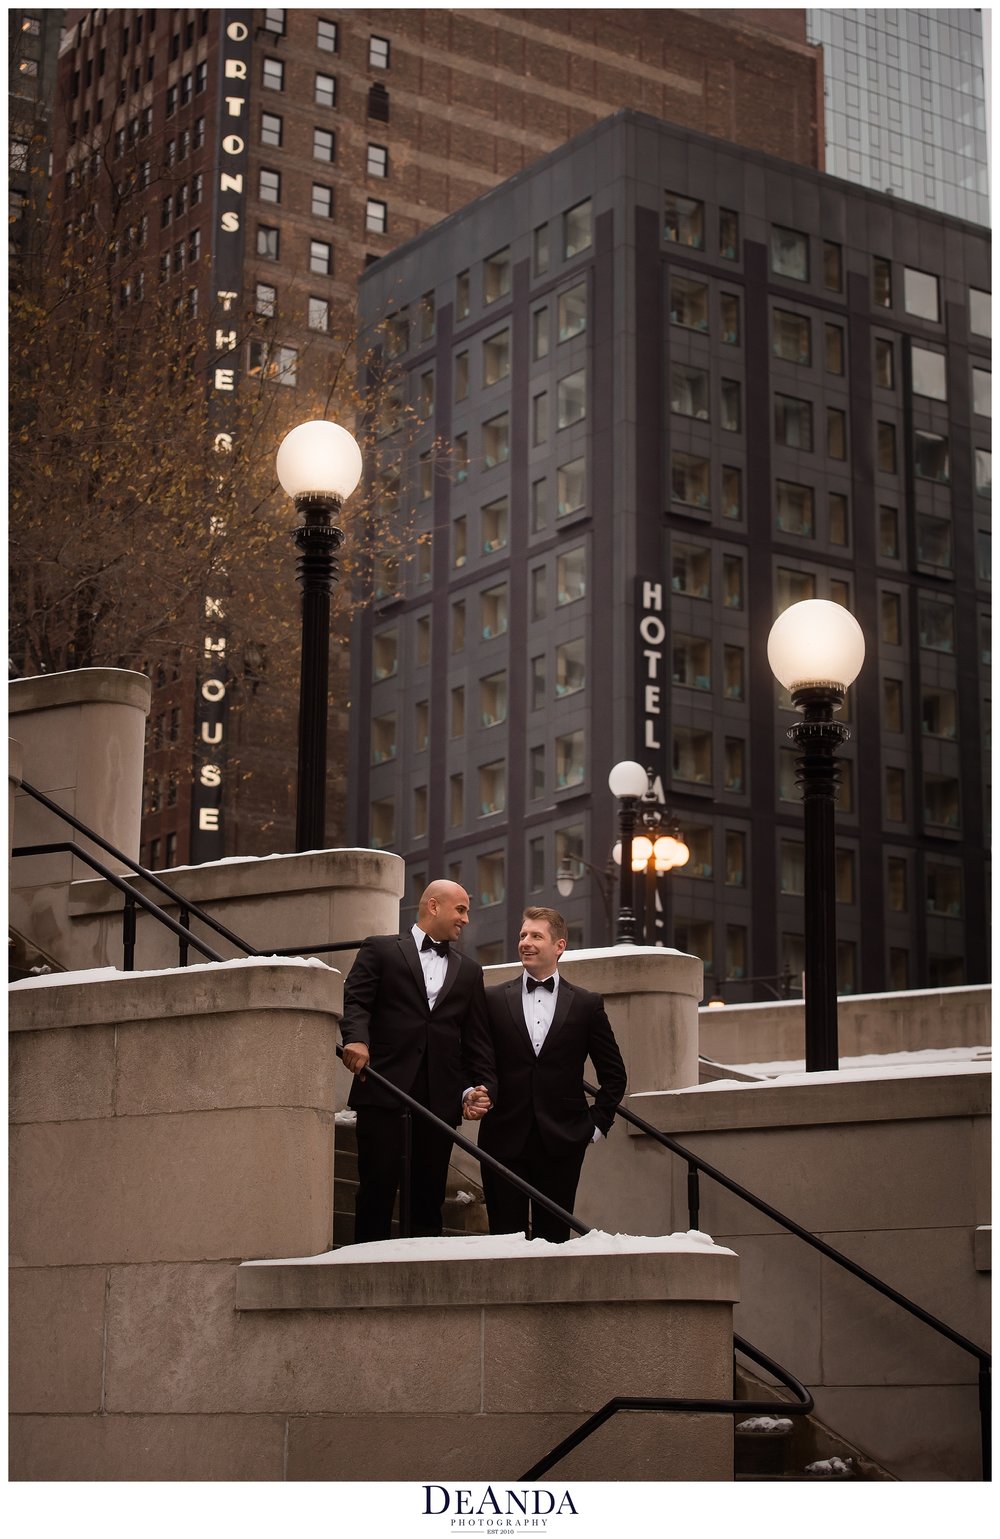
[{"x": 905, "y": 101}]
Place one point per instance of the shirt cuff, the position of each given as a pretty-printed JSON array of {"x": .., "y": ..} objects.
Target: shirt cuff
[{"x": 598, "y": 1136}]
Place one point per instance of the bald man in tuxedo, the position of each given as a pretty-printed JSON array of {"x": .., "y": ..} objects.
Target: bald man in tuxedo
[
  {"x": 543, "y": 1030},
  {"x": 415, "y": 1010}
]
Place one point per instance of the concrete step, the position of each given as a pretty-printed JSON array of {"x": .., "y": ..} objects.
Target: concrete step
[
  {"x": 464, "y": 1209},
  {"x": 792, "y": 1447}
]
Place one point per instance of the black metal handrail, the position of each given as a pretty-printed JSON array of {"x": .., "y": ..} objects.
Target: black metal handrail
[
  {"x": 695, "y": 1163},
  {"x": 802, "y": 1405},
  {"x": 185, "y": 906}
]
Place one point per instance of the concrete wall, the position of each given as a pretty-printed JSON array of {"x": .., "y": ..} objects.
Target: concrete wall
[
  {"x": 894, "y": 1171},
  {"x": 911, "y": 1020},
  {"x": 81, "y": 737},
  {"x": 167, "y": 1126}
]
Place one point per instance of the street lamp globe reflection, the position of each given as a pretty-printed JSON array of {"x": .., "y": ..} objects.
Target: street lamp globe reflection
[
  {"x": 627, "y": 778},
  {"x": 319, "y": 459}
]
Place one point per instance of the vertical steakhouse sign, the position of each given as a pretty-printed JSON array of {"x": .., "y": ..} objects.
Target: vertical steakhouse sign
[{"x": 228, "y": 211}]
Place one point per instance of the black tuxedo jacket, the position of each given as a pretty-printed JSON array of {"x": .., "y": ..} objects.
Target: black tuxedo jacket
[
  {"x": 546, "y": 1090},
  {"x": 385, "y": 1006}
]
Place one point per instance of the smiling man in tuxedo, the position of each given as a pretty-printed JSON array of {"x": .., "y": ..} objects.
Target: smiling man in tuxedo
[
  {"x": 415, "y": 1010},
  {"x": 544, "y": 1029}
]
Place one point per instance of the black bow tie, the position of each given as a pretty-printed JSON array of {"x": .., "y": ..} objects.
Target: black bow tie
[
  {"x": 441, "y": 947},
  {"x": 541, "y": 983}
]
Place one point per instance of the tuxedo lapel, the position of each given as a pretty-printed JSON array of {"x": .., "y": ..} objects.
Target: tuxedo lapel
[
  {"x": 408, "y": 947},
  {"x": 515, "y": 1004},
  {"x": 454, "y": 963},
  {"x": 564, "y": 1001}
]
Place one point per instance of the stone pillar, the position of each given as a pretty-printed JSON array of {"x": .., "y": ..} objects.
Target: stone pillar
[{"x": 82, "y": 735}]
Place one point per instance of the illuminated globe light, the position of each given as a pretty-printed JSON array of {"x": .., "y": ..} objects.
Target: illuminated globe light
[
  {"x": 319, "y": 459},
  {"x": 642, "y": 849},
  {"x": 816, "y": 644},
  {"x": 627, "y": 778}
]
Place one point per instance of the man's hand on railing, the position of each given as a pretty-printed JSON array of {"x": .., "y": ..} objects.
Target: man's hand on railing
[
  {"x": 476, "y": 1104},
  {"x": 356, "y": 1056}
]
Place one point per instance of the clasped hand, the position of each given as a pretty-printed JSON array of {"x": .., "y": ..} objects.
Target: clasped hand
[{"x": 476, "y": 1104}]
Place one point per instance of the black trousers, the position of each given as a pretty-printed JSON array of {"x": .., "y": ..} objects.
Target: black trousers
[
  {"x": 380, "y": 1153},
  {"x": 557, "y": 1176}
]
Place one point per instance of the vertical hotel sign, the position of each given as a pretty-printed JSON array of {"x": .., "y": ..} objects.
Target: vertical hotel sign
[
  {"x": 651, "y": 660},
  {"x": 228, "y": 208}
]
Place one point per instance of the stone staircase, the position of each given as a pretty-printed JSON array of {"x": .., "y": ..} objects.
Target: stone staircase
[
  {"x": 780, "y": 1447},
  {"x": 464, "y": 1209},
  {"x": 26, "y": 960}
]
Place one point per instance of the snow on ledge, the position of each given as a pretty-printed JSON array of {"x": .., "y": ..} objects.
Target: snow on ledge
[
  {"x": 109, "y": 974},
  {"x": 827, "y": 1077},
  {"x": 506, "y": 1247}
]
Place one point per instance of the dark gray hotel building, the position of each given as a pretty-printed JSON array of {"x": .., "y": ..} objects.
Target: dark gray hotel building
[{"x": 670, "y": 386}]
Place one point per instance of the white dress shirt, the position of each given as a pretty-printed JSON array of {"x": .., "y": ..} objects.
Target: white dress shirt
[
  {"x": 539, "y": 1010},
  {"x": 434, "y": 966}
]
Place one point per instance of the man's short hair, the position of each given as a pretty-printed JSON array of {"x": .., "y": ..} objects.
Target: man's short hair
[{"x": 553, "y": 919}]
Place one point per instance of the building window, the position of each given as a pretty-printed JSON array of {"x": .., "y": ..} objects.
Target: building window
[
  {"x": 459, "y": 541},
  {"x": 496, "y": 440},
  {"x": 892, "y": 705},
  {"x": 789, "y": 254},
  {"x": 539, "y": 505},
  {"x": 939, "y": 713},
  {"x": 571, "y": 669},
  {"x": 793, "y": 423},
  {"x": 423, "y": 640},
  {"x": 376, "y": 216},
  {"x": 463, "y": 289},
  {"x": 322, "y": 201},
  {"x": 984, "y": 472},
  {"x": 269, "y": 190},
  {"x": 834, "y": 339},
  {"x": 266, "y": 298},
  {"x": 885, "y": 366},
  {"x": 732, "y": 492},
  {"x": 890, "y": 619},
  {"x": 326, "y": 35},
  {"x": 833, "y": 267},
  {"x": 692, "y": 662},
  {"x": 882, "y": 283},
  {"x": 731, "y": 420},
  {"x": 457, "y": 727},
  {"x": 929, "y": 376},
  {"x": 274, "y": 21},
  {"x": 385, "y": 654},
  {"x": 540, "y": 418},
  {"x": 493, "y": 609},
  {"x": 571, "y": 576},
  {"x": 572, "y": 312},
  {"x": 930, "y": 457},
  {"x": 937, "y": 624},
  {"x": 729, "y": 316},
  {"x": 577, "y": 230},
  {"x": 384, "y": 738},
  {"x": 792, "y": 867},
  {"x": 323, "y": 144},
  {"x": 886, "y": 437},
  {"x": 496, "y": 357},
  {"x": 268, "y": 237},
  {"x": 537, "y": 682},
  {"x": 944, "y": 890},
  {"x": 691, "y": 570},
  {"x": 378, "y": 160},
  {"x": 895, "y": 794},
  {"x": 420, "y": 812},
  {"x": 692, "y": 755},
  {"x": 790, "y": 337},
  {"x": 729, "y": 234},
  {"x": 792, "y": 587},
  {"x": 493, "y": 699},
  {"x": 920, "y": 294},
  {"x": 378, "y": 52},
  {"x": 270, "y": 129},
  {"x": 888, "y": 532},
  {"x": 795, "y": 509},
  {"x": 383, "y": 823},
  {"x": 536, "y": 772},
  {"x": 496, "y": 276},
  {"x": 980, "y": 313},
  {"x": 539, "y": 593},
  {"x": 689, "y": 391},
  {"x": 689, "y": 479},
  {"x": 836, "y": 433},
  {"x": 319, "y": 314},
  {"x": 490, "y": 878},
  {"x": 733, "y": 673},
  {"x": 325, "y": 91},
  {"x": 421, "y": 725},
  {"x": 982, "y": 392},
  {"x": 540, "y": 333},
  {"x": 378, "y": 103},
  {"x": 273, "y": 76},
  {"x": 689, "y": 303},
  {"x": 837, "y": 519},
  {"x": 571, "y": 399},
  {"x": 941, "y": 801},
  {"x": 683, "y": 220},
  {"x": 571, "y": 487},
  {"x": 494, "y": 526},
  {"x": 934, "y": 542},
  {"x": 461, "y": 456},
  {"x": 461, "y": 375},
  {"x": 540, "y": 250},
  {"x": 492, "y": 788},
  {"x": 570, "y": 765},
  {"x": 320, "y": 257}
]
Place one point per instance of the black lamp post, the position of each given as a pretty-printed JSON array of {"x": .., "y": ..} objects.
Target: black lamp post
[
  {"x": 816, "y": 650},
  {"x": 658, "y": 849},
  {"x": 627, "y": 782},
  {"x": 319, "y": 465}
]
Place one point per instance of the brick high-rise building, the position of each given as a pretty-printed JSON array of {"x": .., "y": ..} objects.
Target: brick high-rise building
[{"x": 284, "y": 149}]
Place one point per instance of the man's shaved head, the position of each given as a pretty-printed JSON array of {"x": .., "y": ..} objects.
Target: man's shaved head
[{"x": 444, "y": 910}]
